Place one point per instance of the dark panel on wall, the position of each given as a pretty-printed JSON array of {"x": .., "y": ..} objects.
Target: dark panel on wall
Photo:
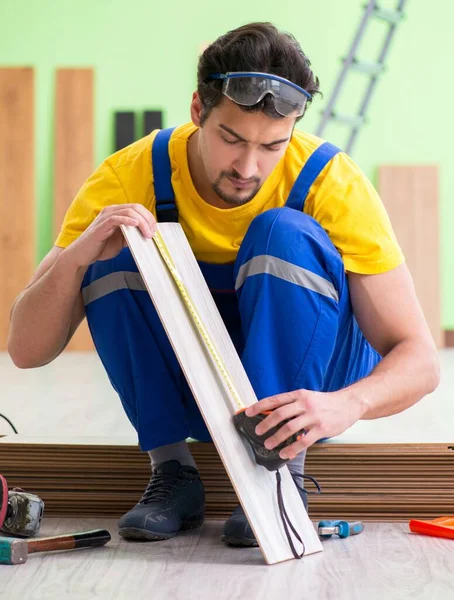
[
  {"x": 124, "y": 129},
  {"x": 152, "y": 120}
]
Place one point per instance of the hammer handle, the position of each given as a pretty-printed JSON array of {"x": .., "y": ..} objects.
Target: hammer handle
[{"x": 85, "y": 539}]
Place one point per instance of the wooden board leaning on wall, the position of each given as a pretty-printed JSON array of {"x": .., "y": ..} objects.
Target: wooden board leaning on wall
[
  {"x": 74, "y": 160},
  {"x": 17, "y": 193},
  {"x": 410, "y": 195}
]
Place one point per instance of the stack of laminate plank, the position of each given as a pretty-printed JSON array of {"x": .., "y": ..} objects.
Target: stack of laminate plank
[{"x": 380, "y": 482}]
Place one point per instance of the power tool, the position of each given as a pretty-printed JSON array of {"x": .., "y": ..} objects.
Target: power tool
[{"x": 20, "y": 512}]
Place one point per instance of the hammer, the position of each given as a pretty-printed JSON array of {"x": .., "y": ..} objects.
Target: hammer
[{"x": 14, "y": 551}]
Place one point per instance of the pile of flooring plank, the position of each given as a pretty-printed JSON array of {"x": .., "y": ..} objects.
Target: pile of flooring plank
[{"x": 376, "y": 482}]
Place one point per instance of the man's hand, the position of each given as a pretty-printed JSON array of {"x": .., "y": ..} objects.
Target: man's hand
[
  {"x": 319, "y": 414},
  {"x": 103, "y": 239}
]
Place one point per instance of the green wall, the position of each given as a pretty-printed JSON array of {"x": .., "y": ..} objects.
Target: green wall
[{"x": 145, "y": 56}]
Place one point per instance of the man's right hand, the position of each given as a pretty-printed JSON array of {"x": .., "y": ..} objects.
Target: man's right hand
[{"x": 103, "y": 239}]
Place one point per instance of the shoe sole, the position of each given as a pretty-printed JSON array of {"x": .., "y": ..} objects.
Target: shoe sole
[
  {"x": 239, "y": 542},
  {"x": 134, "y": 533},
  {"x": 131, "y": 533}
]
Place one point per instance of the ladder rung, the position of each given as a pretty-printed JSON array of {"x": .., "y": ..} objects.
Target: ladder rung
[
  {"x": 353, "y": 120},
  {"x": 392, "y": 16},
  {"x": 366, "y": 67}
]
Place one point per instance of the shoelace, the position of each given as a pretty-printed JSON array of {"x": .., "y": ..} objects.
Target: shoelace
[
  {"x": 159, "y": 488},
  {"x": 284, "y": 516}
]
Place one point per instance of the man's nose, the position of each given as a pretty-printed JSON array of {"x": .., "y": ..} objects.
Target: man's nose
[{"x": 246, "y": 165}]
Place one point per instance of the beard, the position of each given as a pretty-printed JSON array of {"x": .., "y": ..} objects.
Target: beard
[{"x": 235, "y": 199}]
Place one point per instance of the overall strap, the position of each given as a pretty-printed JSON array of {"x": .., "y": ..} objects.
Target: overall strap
[
  {"x": 166, "y": 209},
  {"x": 309, "y": 173}
]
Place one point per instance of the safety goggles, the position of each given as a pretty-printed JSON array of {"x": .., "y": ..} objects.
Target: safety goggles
[{"x": 248, "y": 88}]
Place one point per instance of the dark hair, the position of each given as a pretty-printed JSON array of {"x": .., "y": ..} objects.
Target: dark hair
[{"x": 254, "y": 47}]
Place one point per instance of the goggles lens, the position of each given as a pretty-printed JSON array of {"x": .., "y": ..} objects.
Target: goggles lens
[{"x": 249, "y": 89}]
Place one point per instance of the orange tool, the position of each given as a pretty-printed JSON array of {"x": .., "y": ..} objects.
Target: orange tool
[{"x": 441, "y": 527}]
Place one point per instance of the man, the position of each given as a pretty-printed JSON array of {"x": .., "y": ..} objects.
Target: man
[{"x": 294, "y": 244}]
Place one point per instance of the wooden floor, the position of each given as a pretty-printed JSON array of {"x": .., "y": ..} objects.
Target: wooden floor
[
  {"x": 72, "y": 397},
  {"x": 385, "y": 562}
]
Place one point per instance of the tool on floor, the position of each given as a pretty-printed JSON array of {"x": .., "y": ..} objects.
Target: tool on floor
[
  {"x": 15, "y": 551},
  {"x": 245, "y": 425},
  {"x": 440, "y": 527},
  {"x": 20, "y": 512},
  {"x": 343, "y": 529}
]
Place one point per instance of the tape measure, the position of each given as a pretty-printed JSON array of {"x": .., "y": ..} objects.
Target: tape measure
[
  {"x": 166, "y": 256},
  {"x": 244, "y": 425}
]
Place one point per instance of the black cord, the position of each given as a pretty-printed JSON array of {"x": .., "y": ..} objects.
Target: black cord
[
  {"x": 6, "y": 419},
  {"x": 286, "y": 521},
  {"x": 314, "y": 481},
  {"x": 285, "y": 518}
]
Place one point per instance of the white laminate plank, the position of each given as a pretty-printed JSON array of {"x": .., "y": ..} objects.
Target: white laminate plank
[{"x": 254, "y": 485}]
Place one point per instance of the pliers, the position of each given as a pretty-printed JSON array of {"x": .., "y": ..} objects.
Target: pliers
[{"x": 341, "y": 528}]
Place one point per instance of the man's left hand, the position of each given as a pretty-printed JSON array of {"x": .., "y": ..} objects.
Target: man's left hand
[{"x": 319, "y": 414}]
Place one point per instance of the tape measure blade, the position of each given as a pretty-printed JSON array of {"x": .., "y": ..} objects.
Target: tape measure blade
[{"x": 196, "y": 319}]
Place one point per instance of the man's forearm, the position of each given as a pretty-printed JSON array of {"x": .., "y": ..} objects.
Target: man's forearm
[
  {"x": 41, "y": 316},
  {"x": 403, "y": 376}
]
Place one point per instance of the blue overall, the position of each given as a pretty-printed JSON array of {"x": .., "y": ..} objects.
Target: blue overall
[{"x": 284, "y": 301}]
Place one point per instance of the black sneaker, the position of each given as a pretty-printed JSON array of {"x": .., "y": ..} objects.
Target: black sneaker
[
  {"x": 173, "y": 501},
  {"x": 238, "y": 532}
]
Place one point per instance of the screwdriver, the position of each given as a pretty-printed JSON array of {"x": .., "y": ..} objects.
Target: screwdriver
[{"x": 341, "y": 528}]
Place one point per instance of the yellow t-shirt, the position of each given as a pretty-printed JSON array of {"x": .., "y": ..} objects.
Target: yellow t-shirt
[{"x": 342, "y": 200}]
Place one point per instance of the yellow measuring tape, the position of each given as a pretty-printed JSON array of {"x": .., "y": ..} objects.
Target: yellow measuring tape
[{"x": 166, "y": 256}]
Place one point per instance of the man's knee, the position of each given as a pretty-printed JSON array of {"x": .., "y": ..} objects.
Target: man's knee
[{"x": 292, "y": 236}]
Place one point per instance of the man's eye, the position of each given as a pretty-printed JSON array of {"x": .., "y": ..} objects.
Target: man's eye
[
  {"x": 230, "y": 142},
  {"x": 273, "y": 148}
]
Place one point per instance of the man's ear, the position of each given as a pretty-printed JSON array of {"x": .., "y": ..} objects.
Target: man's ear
[{"x": 196, "y": 109}]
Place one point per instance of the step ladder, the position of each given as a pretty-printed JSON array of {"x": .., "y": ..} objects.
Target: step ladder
[{"x": 372, "y": 11}]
